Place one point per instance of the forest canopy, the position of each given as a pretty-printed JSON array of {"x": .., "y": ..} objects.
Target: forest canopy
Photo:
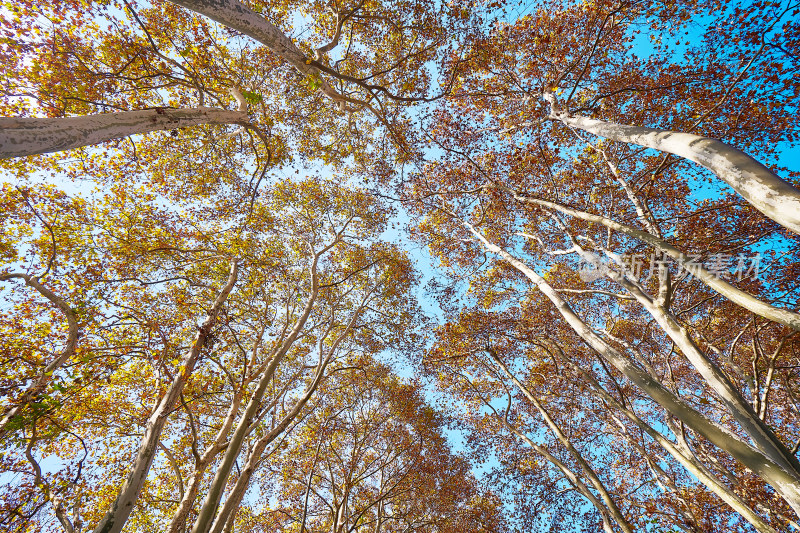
[{"x": 399, "y": 266}]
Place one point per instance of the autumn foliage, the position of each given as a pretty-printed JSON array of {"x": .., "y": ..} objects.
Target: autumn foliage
[{"x": 215, "y": 317}]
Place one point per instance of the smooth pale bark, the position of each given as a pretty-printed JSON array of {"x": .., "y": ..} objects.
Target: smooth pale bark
[
  {"x": 689, "y": 463},
  {"x": 220, "y": 480},
  {"x": 234, "y": 500},
  {"x": 211, "y": 503},
  {"x": 609, "y": 502},
  {"x": 29, "y": 136},
  {"x": 177, "y": 524},
  {"x": 115, "y": 518},
  {"x": 735, "y": 295},
  {"x": 773, "y": 196},
  {"x": 179, "y": 516},
  {"x": 742, "y": 411},
  {"x": 785, "y": 483},
  {"x": 236, "y": 15},
  {"x": 47, "y": 374}
]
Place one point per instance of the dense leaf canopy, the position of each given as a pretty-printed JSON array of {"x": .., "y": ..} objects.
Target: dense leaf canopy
[{"x": 399, "y": 266}]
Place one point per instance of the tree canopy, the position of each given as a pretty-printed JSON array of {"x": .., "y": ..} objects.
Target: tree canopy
[{"x": 393, "y": 266}]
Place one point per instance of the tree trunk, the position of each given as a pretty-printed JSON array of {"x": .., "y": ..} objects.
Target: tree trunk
[
  {"x": 179, "y": 516},
  {"x": 236, "y": 15},
  {"x": 20, "y": 137},
  {"x": 571, "y": 477},
  {"x": 234, "y": 500},
  {"x": 121, "y": 508},
  {"x": 211, "y": 502},
  {"x": 774, "y": 197},
  {"x": 741, "y": 410},
  {"x": 785, "y": 483}
]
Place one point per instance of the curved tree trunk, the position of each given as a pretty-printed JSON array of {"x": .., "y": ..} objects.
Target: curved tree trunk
[
  {"x": 787, "y": 484},
  {"x": 773, "y": 196},
  {"x": 741, "y": 410},
  {"x": 235, "y": 15},
  {"x": 20, "y": 137}
]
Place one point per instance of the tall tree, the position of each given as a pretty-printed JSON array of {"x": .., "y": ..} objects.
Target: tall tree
[
  {"x": 599, "y": 180},
  {"x": 380, "y": 463},
  {"x": 305, "y": 285}
]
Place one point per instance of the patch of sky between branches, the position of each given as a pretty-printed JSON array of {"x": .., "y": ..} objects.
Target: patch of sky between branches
[{"x": 645, "y": 46}]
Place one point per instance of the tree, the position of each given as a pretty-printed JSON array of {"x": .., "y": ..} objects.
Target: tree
[
  {"x": 380, "y": 463},
  {"x": 489, "y": 195},
  {"x": 550, "y": 159},
  {"x": 302, "y": 288}
]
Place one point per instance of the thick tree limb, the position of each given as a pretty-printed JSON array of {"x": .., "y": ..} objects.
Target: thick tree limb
[
  {"x": 21, "y": 137},
  {"x": 773, "y": 196},
  {"x": 239, "y": 17}
]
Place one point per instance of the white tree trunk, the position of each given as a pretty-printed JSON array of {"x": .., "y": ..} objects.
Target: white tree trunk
[
  {"x": 115, "y": 518},
  {"x": 208, "y": 510},
  {"x": 179, "y": 516},
  {"x": 571, "y": 476},
  {"x": 20, "y": 137},
  {"x": 776, "y": 198},
  {"x": 737, "y": 296},
  {"x": 787, "y": 484},
  {"x": 234, "y": 500},
  {"x": 236, "y": 15},
  {"x": 762, "y": 436}
]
